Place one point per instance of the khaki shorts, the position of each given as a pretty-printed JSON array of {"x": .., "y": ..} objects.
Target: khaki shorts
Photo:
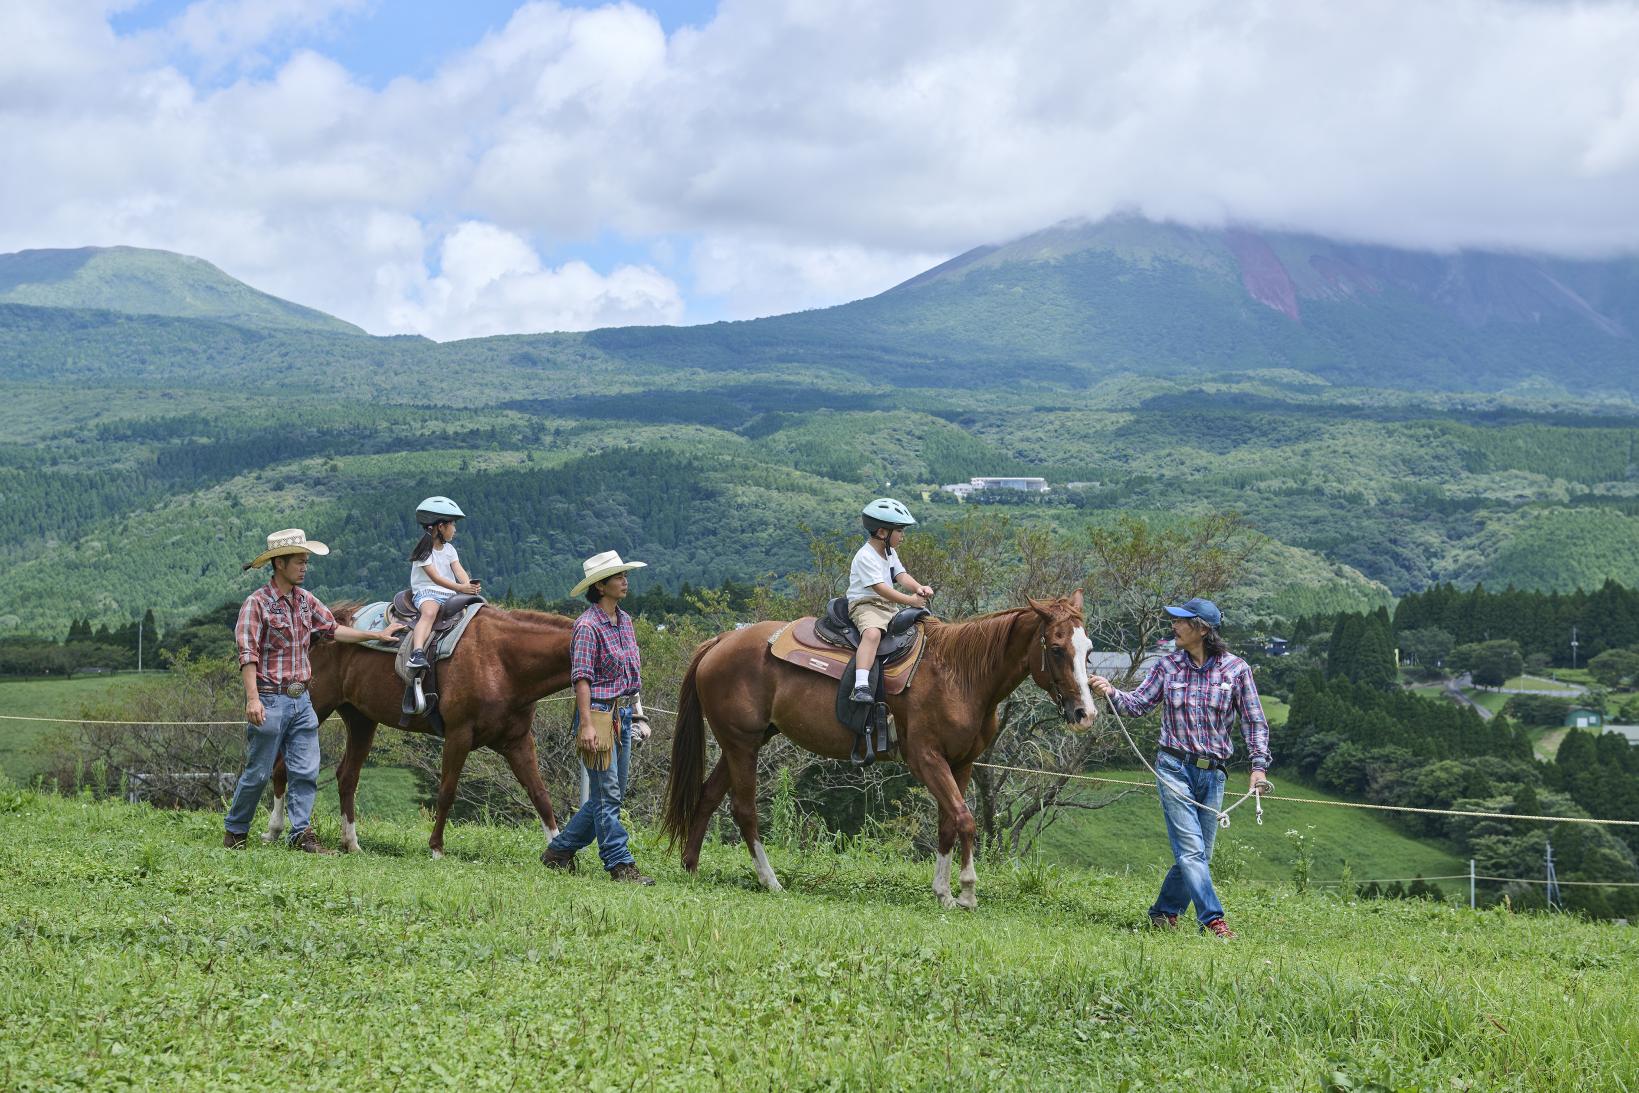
[{"x": 872, "y": 612}]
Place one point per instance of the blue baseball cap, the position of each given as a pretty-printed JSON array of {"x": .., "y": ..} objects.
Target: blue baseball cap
[{"x": 1205, "y": 610}]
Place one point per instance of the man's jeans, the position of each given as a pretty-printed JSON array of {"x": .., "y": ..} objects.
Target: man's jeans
[
  {"x": 599, "y": 815},
  {"x": 290, "y": 726},
  {"x": 1191, "y": 831}
]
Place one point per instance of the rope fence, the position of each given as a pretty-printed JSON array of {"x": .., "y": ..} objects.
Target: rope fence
[{"x": 1106, "y": 780}]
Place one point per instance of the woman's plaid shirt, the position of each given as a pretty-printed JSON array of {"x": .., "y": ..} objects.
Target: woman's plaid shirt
[
  {"x": 1200, "y": 705},
  {"x": 604, "y": 653},
  {"x": 274, "y": 632}
]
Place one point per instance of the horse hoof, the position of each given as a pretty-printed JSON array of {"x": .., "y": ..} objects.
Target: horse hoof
[
  {"x": 966, "y": 902},
  {"x": 438, "y": 855},
  {"x": 947, "y": 901}
]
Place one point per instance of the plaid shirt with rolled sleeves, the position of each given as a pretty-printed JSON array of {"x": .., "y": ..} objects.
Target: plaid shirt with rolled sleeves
[
  {"x": 604, "y": 653},
  {"x": 274, "y": 632},
  {"x": 1200, "y": 706}
]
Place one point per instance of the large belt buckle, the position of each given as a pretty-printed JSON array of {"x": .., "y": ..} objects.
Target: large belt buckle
[
  {"x": 295, "y": 690},
  {"x": 623, "y": 702}
]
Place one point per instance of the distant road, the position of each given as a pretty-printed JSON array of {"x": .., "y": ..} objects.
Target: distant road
[{"x": 1454, "y": 691}]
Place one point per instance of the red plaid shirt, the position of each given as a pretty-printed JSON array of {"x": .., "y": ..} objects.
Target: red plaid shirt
[
  {"x": 274, "y": 632},
  {"x": 604, "y": 653},
  {"x": 1201, "y": 705}
]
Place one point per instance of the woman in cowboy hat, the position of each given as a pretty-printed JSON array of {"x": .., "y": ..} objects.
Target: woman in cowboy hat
[
  {"x": 605, "y": 672},
  {"x": 276, "y": 625}
]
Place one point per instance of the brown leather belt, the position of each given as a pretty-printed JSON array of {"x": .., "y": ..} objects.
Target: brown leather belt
[
  {"x": 1200, "y": 762},
  {"x": 289, "y": 690}
]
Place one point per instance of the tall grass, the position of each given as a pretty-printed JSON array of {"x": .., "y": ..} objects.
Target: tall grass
[{"x": 134, "y": 951}]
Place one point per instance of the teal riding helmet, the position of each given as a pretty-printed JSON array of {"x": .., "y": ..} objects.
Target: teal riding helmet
[{"x": 885, "y": 514}]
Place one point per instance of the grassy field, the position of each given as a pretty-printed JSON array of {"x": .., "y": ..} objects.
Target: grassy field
[
  {"x": 1539, "y": 683},
  {"x": 1129, "y": 837},
  {"x": 1545, "y": 742},
  {"x": 139, "y": 954},
  {"x": 1491, "y": 700},
  {"x": 25, "y": 745}
]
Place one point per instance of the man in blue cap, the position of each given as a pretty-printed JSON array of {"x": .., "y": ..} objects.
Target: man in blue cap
[{"x": 1205, "y": 688}]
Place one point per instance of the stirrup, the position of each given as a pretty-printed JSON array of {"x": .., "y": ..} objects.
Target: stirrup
[{"x": 862, "y": 755}]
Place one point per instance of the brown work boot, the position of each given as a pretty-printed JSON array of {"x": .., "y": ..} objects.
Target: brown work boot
[
  {"x": 557, "y": 859},
  {"x": 230, "y": 841},
  {"x": 627, "y": 871},
  {"x": 308, "y": 843}
]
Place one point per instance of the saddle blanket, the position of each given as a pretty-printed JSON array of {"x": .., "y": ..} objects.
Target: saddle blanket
[
  {"x": 373, "y": 616},
  {"x": 796, "y": 643}
]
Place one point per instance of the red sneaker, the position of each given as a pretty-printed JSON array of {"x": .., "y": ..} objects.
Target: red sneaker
[{"x": 1219, "y": 928}]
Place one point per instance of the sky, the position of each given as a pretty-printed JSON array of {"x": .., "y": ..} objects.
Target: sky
[{"x": 461, "y": 168}]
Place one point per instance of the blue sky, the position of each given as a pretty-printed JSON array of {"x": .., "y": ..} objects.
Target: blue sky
[
  {"x": 460, "y": 168},
  {"x": 391, "y": 38}
]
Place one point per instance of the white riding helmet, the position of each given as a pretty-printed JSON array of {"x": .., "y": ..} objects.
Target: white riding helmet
[{"x": 435, "y": 510}]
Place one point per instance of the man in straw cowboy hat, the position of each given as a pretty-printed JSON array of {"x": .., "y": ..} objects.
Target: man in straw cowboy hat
[
  {"x": 604, "y": 668},
  {"x": 276, "y": 624}
]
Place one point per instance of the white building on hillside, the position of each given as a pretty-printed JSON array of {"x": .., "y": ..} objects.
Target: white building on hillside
[{"x": 972, "y": 485}]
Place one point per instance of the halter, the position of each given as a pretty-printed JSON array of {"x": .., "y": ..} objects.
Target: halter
[{"x": 1052, "y": 687}]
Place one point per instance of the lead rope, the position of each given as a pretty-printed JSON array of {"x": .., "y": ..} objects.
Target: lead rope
[{"x": 1223, "y": 816}]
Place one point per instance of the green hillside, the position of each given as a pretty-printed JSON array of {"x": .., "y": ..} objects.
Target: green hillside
[
  {"x": 135, "y": 281},
  {"x": 1134, "y": 365},
  {"x": 1127, "y": 836},
  {"x": 140, "y": 954}
]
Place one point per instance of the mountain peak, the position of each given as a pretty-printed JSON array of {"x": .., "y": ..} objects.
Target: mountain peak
[{"x": 138, "y": 281}]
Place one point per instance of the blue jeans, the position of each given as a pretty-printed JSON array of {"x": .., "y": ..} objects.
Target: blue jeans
[
  {"x": 599, "y": 815},
  {"x": 1191, "y": 831},
  {"x": 422, "y": 595},
  {"x": 292, "y": 727}
]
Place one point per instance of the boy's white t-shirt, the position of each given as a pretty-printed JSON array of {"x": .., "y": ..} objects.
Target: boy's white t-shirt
[
  {"x": 441, "y": 561},
  {"x": 870, "y": 569}
]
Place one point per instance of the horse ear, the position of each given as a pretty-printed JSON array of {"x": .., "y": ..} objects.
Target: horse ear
[
  {"x": 1075, "y": 599},
  {"x": 1041, "y": 608}
]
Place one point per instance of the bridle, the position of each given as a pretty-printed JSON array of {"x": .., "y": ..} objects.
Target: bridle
[{"x": 1052, "y": 684}]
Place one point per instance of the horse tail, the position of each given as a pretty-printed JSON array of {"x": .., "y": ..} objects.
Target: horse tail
[{"x": 688, "y": 774}]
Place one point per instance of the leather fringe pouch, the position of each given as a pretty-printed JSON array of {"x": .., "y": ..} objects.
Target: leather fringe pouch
[{"x": 603, "y": 725}]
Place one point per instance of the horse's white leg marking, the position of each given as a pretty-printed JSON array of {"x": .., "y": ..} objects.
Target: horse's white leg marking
[
  {"x": 1083, "y": 645},
  {"x": 438, "y": 855},
  {"x": 275, "y": 820},
  {"x": 969, "y": 899},
  {"x": 349, "y": 836},
  {"x": 765, "y": 872},
  {"x": 941, "y": 879},
  {"x": 551, "y": 832}
]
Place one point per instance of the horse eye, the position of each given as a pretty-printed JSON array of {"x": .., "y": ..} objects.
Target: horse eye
[{"x": 1058, "y": 651}]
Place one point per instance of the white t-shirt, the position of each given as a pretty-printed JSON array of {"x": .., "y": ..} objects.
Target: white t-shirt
[
  {"x": 870, "y": 569},
  {"x": 441, "y": 561}
]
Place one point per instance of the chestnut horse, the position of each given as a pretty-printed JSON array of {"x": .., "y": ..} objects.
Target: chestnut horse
[
  {"x": 946, "y": 720},
  {"x": 505, "y": 663}
]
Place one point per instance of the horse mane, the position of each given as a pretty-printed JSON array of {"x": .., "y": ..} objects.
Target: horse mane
[
  {"x": 346, "y": 611},
  {"x": 966, "y": 648},
  {"x": 538, "y": 619}
]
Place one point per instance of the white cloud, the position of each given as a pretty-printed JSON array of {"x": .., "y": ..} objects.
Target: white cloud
[
  {"x": 233, "y": 33},
  {"x": 492, "y": 282},
  {"x": 801, "y": 154}
]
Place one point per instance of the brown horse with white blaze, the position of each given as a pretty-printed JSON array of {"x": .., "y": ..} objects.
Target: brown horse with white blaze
[
  {"x": 506, "y": 662},
  {"x": 946, "y": 720}
]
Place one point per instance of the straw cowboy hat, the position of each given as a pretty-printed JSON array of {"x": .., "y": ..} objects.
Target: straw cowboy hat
[
  {"x": 599, "y": 566},
  {"x": 288, "y": 541}
]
